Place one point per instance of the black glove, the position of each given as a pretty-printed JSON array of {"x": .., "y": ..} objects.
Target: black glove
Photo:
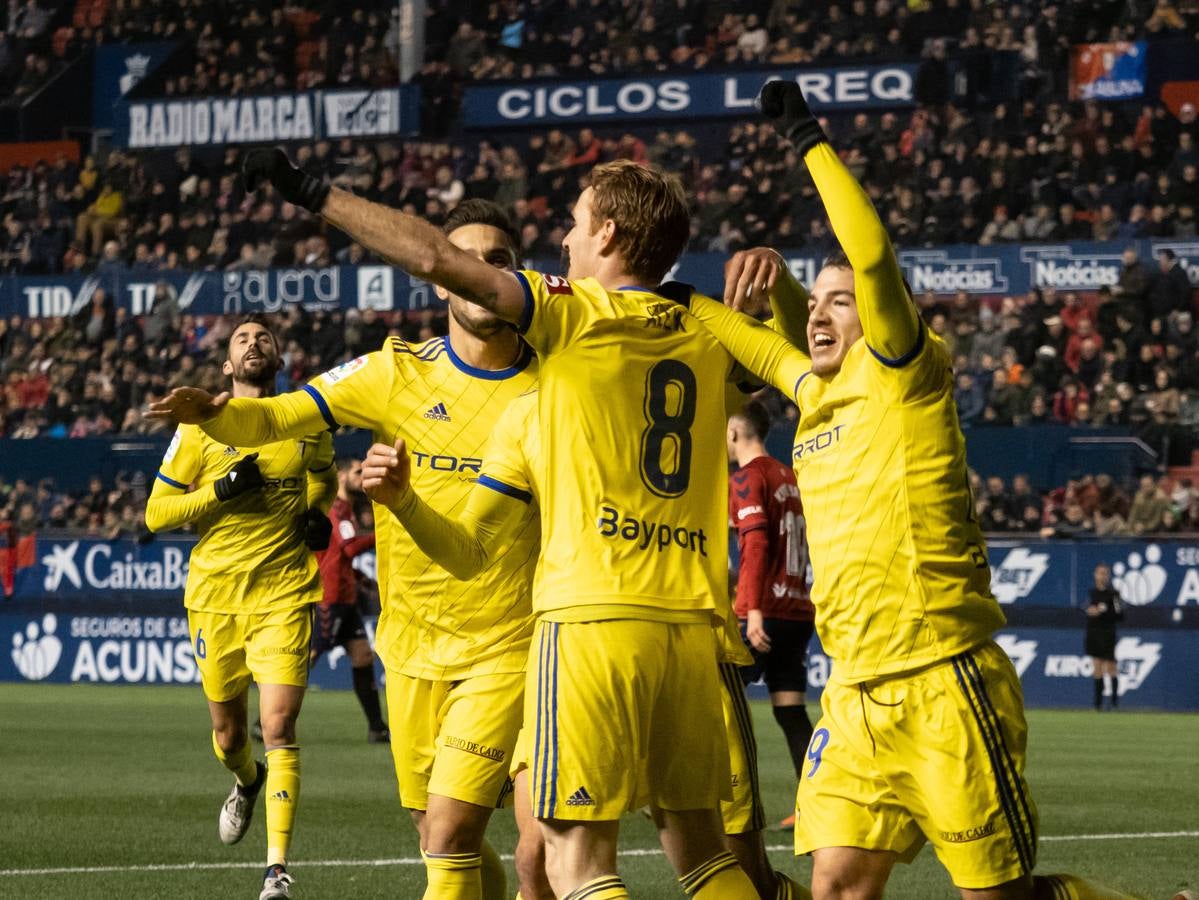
[
  {"x": 242, "y": 478},
  {"x": 318, "y": 528},
  {"x": 782, "y": 102},
  {"x": 295, "y": 185}
]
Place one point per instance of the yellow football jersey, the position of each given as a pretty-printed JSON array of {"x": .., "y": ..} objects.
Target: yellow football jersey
[
  {"x": 251, "y": 556},
  {"x": 513, "y": 464},
  {"x": 631, "y": 403},
  {"x": 901, "y": 577},
  {"x": 431, "y": 625}
]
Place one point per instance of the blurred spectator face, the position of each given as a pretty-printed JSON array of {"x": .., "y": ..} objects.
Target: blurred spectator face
[{"x": 1103, "y": 577}]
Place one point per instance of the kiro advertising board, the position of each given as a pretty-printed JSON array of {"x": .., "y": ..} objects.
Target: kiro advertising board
[{"x": 985, "y": 271}]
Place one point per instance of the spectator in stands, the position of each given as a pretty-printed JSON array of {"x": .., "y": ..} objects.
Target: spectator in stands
[
  {"x": 1170, "y": 292},
  {"x": 1148, "y": 507}
]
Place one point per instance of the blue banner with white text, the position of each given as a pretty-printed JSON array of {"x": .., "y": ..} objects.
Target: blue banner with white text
[
  {"x": 116, "y": 70},
  {"x": 998, "y": 270},
  {"x": 841, "y": 89}
]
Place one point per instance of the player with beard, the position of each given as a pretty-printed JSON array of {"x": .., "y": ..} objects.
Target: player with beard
[
  {"x": 338, "y": 621},
  {"x": 260, "y": 509},
  {"x": 454, "y": 652}
]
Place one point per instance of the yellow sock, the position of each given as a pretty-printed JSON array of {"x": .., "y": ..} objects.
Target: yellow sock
[
  {"x": 495, "y": 881},
  {"x": 1071, "y": 887},
  {"x": 606, "y": 887},
  {"x": 720, "y": 878},
  {"x": 282, "y": 795},
  {"x": 789, "y": 890},
  {"x": 239, "y": 762},
  {"x": 453, "y": 876}
]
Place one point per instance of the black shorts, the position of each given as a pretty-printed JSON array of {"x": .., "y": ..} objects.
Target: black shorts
[
  {"x": 785, "y": 667},
  {"x": 1101, "y": 643},
  {"x": 335, "y": 625}
]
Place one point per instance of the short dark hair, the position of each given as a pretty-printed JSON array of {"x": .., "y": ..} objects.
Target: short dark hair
[
  {"x": 483, "y": 212},
  {"x": 837, "y": 259},
  {"x": 1167, "y": 253},
  {"x": 256, "y": 319},
  {"x": 755, "y": 416}
]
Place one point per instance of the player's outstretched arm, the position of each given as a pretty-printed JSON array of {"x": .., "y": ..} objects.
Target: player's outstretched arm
[
  {"x": 890, "y": 323},
  {"x": 403, "y": 240},
  {"x": 464, "y": 546},
  {"x": 751, "y": 275},
  {"x": 243, "y": 422},
  {"x": 762, "y": 351}
]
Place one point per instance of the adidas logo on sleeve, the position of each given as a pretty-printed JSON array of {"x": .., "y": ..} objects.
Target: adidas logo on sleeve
[
  {"x": 438, "y": 413},
  {"x": 580, "y": 798}
]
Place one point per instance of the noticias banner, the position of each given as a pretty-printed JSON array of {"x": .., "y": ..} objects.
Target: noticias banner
[
  {"x": 718, "y": 95},
  {"x": 313, "y": 115},
  {"x": 997, "y": 270}
]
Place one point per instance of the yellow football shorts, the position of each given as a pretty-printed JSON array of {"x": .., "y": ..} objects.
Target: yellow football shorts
[
  {"x": 230, "y": 650},
  {"x": 936, "y": 754},
  {"x": 621, "y": 714},
  {"x": 744, "y": 812},
  {"x": 454, "y": 738}
]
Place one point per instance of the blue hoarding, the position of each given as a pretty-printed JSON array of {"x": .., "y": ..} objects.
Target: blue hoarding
[
  {"x": 1001, "y": 269},
  {"x": 116, "y": 70},
  {"x": 838, "y": 89}
]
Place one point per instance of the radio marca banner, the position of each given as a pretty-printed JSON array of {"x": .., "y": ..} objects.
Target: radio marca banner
[
  {"x": 726, "y": 94},
  {"x": 313, "y": 115},
  {"x": 1002, "y": 269}
]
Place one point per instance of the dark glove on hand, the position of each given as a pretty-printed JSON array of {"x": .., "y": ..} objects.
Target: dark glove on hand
[
  {"x": 295, "y": 186},
  {"x": 242, "y": 478},
  {"x": 318, "y": 528},
  {"x": 783, "y": 103}
]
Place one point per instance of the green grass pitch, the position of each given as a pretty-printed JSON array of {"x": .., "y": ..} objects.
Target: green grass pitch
[{"x": 119, "y": 780}]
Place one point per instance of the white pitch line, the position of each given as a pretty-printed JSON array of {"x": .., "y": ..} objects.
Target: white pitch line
[{"x": 417, "y": 861}]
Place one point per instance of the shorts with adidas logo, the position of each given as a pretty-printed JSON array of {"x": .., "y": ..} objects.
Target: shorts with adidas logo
[
  {"x": 457, "y": 737},
  {"x": 233, "y": 649},
  {"x": 938, "y": 752},
  {"x": 623, "y": 713}
]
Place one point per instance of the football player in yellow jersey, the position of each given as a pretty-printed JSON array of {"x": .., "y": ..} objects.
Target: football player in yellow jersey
[
  {"x": 454, "y": 652},
  {"x": 633, "y": 552},
  {"x": 922, "y": 735},
  {"x": 260, "y": 508},
  {"x": 507, "y": 493}
]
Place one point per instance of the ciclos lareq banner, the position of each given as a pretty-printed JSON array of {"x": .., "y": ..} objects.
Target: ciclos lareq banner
[
  {"x": 313, "y": 115},
  {"x": 683, "y": 97}
]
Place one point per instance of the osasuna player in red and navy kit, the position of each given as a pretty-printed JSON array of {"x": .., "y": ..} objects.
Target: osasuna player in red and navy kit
[
  {"x": 338, "y": 622},
  {"x": 772, "y": 585}
]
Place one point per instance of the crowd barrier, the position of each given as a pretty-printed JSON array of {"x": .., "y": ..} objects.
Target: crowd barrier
[{"x": 111, "y": 612}]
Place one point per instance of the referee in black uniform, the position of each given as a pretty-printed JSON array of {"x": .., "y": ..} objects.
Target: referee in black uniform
[{"x": 1104, "y": 610}]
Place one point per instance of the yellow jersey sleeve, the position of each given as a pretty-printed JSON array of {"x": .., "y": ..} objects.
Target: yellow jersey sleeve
[
  {"x": 555, "y": 313},
  {"x": 759, "y": 348},
  {"x": 171, "y": 504},
  {"x": 509, "y": 459},
  {"x": 891, "y": 326},
  {"x": 322, "y": 475},
  {"x": 350, "y": 393}
]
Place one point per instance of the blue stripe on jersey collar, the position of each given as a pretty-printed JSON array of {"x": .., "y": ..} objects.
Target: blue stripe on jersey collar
[{"x": 522, "y": 362}]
